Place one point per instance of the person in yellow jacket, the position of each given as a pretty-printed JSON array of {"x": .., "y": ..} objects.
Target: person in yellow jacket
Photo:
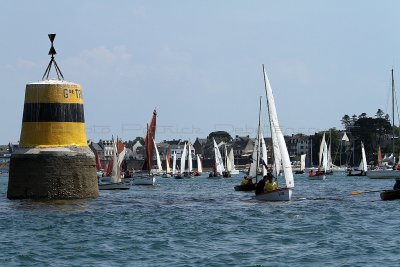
[{"x": 270, "y": 185}]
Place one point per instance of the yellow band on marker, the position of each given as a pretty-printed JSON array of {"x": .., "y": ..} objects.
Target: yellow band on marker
[
  {"x": 53, "y": 93},
  {"x": 52, "y": 134}
]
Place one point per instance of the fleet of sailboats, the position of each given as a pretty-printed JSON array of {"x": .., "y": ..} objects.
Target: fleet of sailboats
[{"x": 112, "y": 178}]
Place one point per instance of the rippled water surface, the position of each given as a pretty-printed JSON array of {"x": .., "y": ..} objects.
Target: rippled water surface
[{"x": 204, "y": 222}]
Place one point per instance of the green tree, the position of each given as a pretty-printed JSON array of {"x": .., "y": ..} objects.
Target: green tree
[
  {"x": 362, "y": 115},
  {"x": 379, "y": 113},
  {"x": 220, "y": 136},
  {"x": 346, "y": 121}
]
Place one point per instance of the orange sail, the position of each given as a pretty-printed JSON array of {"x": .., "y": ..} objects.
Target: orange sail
[
  {"x": 149, "y": 144},
  {"x": 379, "y": 156},
  {"x": 167, "y": 159}
]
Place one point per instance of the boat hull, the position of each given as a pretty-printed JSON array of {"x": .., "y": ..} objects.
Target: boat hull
[
  {"x": 383, "y": 174},
  {"x": 114, "y": 186},
  {"x": 143, "y": 180},
  {"x": 234, "y": 172},
  {"x": 281, "y": 194},
  {"x": 317, "y": 177},
  {"x": 390, "y": 195},
  {"x": 245, "y": 187}
]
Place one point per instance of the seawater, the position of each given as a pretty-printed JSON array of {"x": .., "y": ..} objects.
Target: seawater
[{"x": 204, "y": 222}]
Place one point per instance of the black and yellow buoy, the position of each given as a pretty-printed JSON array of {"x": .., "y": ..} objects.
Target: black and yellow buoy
[{"x": 53, "y": 160}]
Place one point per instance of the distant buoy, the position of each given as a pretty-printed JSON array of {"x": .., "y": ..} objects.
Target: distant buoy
[{"x": 53, "y": 160}]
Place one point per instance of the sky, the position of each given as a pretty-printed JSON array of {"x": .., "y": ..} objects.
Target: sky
[{"x": 199, "y": 63}]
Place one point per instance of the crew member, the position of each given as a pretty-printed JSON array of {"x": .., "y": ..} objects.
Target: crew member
[{"x": 270, "y": 185}]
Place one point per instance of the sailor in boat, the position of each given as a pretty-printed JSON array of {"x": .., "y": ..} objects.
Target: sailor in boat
[
  {"x": 311, "y": 173},
  {"x": 270, "y": 185},
  {"x": 261, "y": 184}
]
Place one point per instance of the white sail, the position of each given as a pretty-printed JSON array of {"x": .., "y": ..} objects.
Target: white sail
[
  {"x": 174, "y": 163},
  {"x": 287, "y": 167},
  {"x": 199, "y": 166},
  {"x": 190, "y": 161},
  {"x": 264, "y": 156},
  {"x": 231, "y": 160},
  {"x": 325, "y": 157},
  {"x": 218, "y": 159},
  {"x": 115, "y": 174},
  {"x": 321, "y": 150},
  {"x": 255, "y": 156},
  {"x": 329, "y": 158},
  {"x": 159, "y": 167},
  {"x": 183, "y": 159},
  {"x": 276, "y": 150},
  {"x": 302, "y": 162},
  {"x": 364, "y": 159}
]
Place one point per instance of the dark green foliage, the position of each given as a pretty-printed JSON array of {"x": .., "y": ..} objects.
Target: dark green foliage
[{"x": 220, "y": 136}]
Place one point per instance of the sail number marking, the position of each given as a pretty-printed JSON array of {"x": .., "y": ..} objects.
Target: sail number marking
[{"x": 76, "y": 92}]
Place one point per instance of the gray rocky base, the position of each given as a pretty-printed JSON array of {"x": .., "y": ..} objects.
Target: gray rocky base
[{"x": 53, "y": 173}]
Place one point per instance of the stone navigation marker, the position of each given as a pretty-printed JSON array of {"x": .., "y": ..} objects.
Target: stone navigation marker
[{"x": 53, "y": 160}]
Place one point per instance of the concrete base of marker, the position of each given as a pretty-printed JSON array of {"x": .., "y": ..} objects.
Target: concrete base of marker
[{"x": 53, "y": 173}]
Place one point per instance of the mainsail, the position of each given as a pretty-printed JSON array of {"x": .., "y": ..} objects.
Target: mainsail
[
  {"x": 363, "y": 163},
  {"x": 255, "y": 156},
  {"x": 287, "y": 167},
  {"x": 303, "y": 162},
  {"x": 190, "y": 162},
  {"x": 218, "y": 159},
  {"x": 148, "y": 141},
  {"x": 199, "y": 165},
  {"x": 174, "y": 163},
  {"x": 183, "y": 159},
  {"x": 167, "y": 159}
]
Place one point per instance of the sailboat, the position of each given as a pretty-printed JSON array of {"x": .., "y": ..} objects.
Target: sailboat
[
  {"x": 231, "y": 160},
  {"x": 387, "y": 172},
  {"x": 146, "y": 177},
  {"x": 167, "y": 173},
  {"x": 363, "y": 164},
  {"x": 113, "y": 180},
  {"x": 175, "y": 173},
  {"x": 228, "y": 164},
  {"x": 302, "y": 164},
  {"x": 189, "y": 172},
  {"x": 218, "y": 163},
  {"x": 284, "y": 193},
  {"x": 199, "y": 167},
  {"x": 323, "y": 162}
]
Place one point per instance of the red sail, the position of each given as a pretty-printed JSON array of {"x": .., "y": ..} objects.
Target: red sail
[
  {"x": 109, "y": 167},
  {"x": 98, "y": 163},
  {"x": 149, "y": 144},
  {"x": 120, "y": 146}
]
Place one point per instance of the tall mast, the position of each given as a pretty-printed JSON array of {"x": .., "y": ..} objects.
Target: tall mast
[
  {"x": 258, "y": 139},
  {"x": 392, "y": 113}
]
